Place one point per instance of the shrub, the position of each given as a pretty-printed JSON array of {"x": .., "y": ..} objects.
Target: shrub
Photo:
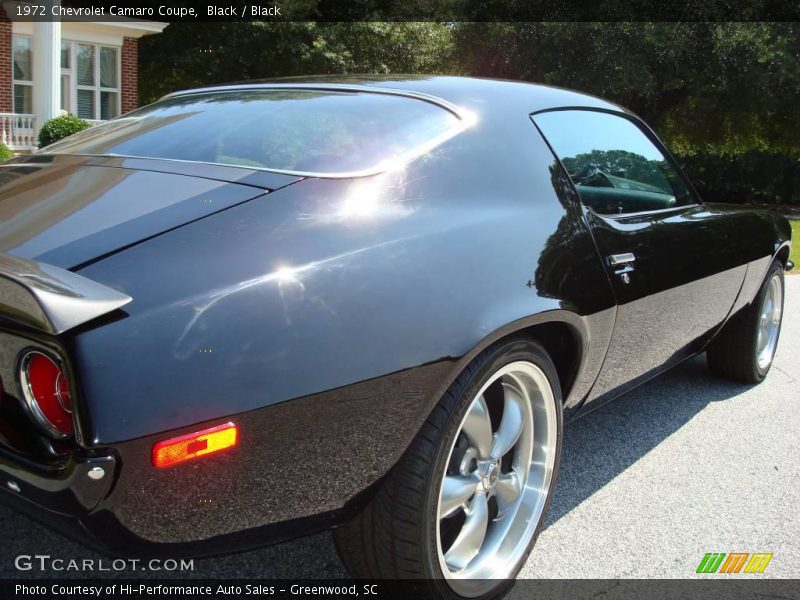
[
  {"x": 60, "y": 127},
  {"x": 5, "y": 153}
]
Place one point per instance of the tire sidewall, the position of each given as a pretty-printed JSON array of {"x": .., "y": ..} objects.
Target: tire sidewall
[
  {"x": 490, "y": 361},
  {"x": 775, "y": 269}
]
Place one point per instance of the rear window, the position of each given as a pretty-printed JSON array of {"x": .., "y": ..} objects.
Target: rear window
[{"x": 325, "y": 132}]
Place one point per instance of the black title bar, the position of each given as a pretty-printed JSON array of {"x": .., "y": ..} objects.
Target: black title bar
[
  {"x": 540, "y": 589},
  {"x": 401, "y": 10}
]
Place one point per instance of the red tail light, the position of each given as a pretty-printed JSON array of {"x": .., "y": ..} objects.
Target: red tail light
[
  {"x": 45, "y": 389},
  {"x": 194, "y": 445}
]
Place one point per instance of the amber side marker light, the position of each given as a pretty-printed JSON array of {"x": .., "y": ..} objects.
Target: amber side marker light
[{"x": 194, "y": 445}]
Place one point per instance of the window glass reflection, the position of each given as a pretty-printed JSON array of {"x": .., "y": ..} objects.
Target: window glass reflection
[
  {"x": 292, "y": 130},
  {"x": 613, "y": 164}
]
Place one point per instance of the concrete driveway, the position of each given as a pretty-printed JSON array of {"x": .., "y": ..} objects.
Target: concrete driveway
[{"x": 684, "y": 465}]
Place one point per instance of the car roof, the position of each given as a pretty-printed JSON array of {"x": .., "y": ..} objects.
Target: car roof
[{"x": 478, "y": 95}]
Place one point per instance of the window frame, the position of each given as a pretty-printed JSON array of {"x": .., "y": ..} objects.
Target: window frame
[
  {"x": 97, "y": 88},
  {"x": 649, "y": 134},
  {"x": 14, "y": 81}
]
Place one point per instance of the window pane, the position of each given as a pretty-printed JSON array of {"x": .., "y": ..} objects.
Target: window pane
[
  {"x": 85, "y": 59},
  {"x": 309, "y": 131},
  {"x": 64, "y": 54},
  {"x": 65, "y": 92},
  {"x": 108, "y": 105},
  {"x": 108, "y": 67},
  {"x": 23, "y": 98},
  {"x": 613, "y": 164},
  {"x": 86, "y": 104},
  {"x": 22, "y": 59}
]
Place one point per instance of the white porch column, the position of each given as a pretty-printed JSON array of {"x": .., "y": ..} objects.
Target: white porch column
[{"x": 46, "y": 69}]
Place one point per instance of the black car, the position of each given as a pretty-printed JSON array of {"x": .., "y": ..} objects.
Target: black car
[{"x": 248, "y": 312}]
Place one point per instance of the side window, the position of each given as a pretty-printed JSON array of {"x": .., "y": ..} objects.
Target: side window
[{"x": 613, "y": 164}]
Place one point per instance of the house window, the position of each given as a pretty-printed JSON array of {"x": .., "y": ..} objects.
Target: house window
[
  {"x": 96, "y": 77},
  {"x": 90, "y": 79},
  {"x": 23, "y": 75}
]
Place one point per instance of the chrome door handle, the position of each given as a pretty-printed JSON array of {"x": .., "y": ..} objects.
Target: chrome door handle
[
  {"x": 621, "y": 259},
  {"x": 624, "y": 262}
]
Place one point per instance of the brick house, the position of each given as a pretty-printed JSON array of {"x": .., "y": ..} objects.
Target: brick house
[{"x": 82, "y": 68}]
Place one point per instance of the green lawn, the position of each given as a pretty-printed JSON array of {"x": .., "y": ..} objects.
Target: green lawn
[{"x": 795, "y": 255}]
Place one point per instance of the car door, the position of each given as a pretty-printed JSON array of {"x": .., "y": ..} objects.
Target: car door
[{"x": 671, "y": 260}]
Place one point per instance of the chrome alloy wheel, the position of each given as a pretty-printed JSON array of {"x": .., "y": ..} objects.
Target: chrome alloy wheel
[
  {"x": 497, "y": 479},
  {"x": 769, "y": 322}
]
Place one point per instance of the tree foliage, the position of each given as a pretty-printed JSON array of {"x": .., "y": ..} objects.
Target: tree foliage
[
  {"x": 207, "y": 53},
  {"x": 728, "y": 87}
]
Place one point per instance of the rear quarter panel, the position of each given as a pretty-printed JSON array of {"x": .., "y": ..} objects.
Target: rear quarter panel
[
  {"x": 327, "y": 319},
  {"x": 760, "y": 235}
]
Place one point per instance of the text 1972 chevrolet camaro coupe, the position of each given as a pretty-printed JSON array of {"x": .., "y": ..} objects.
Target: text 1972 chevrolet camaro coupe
[{"x": 247, "y": 312}]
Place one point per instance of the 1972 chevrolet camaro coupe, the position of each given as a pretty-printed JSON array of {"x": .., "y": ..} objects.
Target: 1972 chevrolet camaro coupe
[{"x": 248, "y": 312}]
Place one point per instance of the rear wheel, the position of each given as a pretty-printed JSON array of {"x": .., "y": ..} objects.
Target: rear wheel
[
  {"x": 745, "y": 348},
  {"x": 460, "y": 512}
]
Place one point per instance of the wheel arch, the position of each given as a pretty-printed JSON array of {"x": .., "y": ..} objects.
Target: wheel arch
[
  {"x": 563, "y": 334},
  {"x": 564, "y": 345},
  {"x": 783, "y": 252}
]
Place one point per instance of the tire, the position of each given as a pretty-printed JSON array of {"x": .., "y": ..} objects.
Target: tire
[
  {"x": 740, "y": 352},
  {"x": 399, "y": 534}
]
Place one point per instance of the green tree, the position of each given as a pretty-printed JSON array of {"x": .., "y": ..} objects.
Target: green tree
[
  {"x": 723, "y": 96},
  {"x": 209, "y": 53},
  {"x": 724, "y": 87}
]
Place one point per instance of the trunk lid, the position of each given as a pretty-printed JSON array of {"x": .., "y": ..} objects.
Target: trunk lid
[{"x": 69, "y": 210}]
